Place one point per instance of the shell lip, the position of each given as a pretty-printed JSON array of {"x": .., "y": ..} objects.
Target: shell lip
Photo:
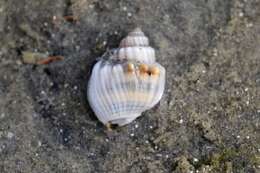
[{"x": 123, "y": 120}]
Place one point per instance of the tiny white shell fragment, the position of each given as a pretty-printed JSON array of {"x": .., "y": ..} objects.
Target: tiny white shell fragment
[{"x": 126, "y": 83}]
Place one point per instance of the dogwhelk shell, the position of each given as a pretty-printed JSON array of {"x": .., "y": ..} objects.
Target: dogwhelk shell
[{"x": 126, "y": 81}]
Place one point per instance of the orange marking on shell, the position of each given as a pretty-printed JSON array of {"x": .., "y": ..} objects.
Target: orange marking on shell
[
  {"x": 154, "y": 71},
  {"x": 130, "y": 68},
  {"x": 143, "y": 68}
]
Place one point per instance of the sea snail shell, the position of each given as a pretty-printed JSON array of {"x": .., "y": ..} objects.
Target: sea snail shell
[{"x": 126, "y": 81}]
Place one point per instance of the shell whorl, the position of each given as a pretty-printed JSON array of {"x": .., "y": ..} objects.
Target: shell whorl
[
  {"x": 135, "y": 47},
  {"x": 135, "y": 38}
]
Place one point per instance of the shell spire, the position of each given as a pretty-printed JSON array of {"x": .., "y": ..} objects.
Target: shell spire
[
  {"x": 135, "y": 38},
  {"x": 135, "y": 47}
]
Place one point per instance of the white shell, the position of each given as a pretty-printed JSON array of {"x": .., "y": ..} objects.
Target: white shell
[{"x": 127, "y": 82}]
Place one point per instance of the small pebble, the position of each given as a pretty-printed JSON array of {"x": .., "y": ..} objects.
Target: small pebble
[
  {"x": 195, "y": 160},
  {"x": 249, "y": 25},
  {"x": 2, "y": 115},
  {"x": 77, "y": 47},
  {"x": 171, "y": 103},
  {"x": 66, "y": 85},
  {"x": 241, "y": 14},
  {"x": 18, "y": 62},
  {"x": 35, "y": 115},
  {"x": 215, "y": 52},
  {"x": 10, "y": 135},
  {"x": 159, "y": 155},
  {"x": 124, "y": 8},
  {"x": 54, "y": 17}
]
